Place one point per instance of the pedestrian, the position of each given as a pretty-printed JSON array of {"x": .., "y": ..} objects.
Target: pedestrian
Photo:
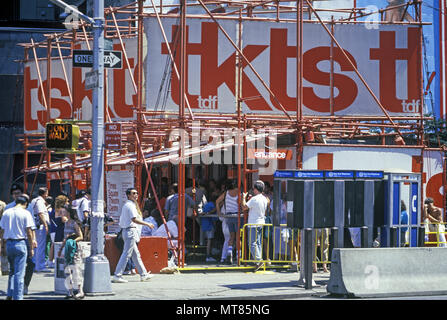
[
  {"x": 83, "y": 210},
  {"x": 40, "y": 213},
  {"x": 15, "y": 191},
  {"x": 130, "y": 217},
  {"x": 72, "y": 253},
  {"x": 56, "y": 224},
  {"x": 171, "y": 205},
  {"x": 257, "y": 208},
  {"x": 16, "y": 226},
  {"x": 208, "y": 225},
  {"x": 228, "y": 200},
  {"x": 433, "y": 217}
]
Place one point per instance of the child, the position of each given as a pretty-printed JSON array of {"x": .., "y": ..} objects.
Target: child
[{"x": 208, "y": 225}]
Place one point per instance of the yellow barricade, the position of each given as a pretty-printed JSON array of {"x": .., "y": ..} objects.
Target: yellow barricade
[
  {"x": 270, "y": 244},
  {"x": 437, "y": 229}
]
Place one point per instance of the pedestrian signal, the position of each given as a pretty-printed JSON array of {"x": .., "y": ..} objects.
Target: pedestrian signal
[{"x": 61, "y": 135}]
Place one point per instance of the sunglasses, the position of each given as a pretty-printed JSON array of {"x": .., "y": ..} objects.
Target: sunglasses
[{"x": 133, "y": 193}]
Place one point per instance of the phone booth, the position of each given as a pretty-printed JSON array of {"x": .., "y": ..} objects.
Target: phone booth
[
  {"x": 403, "y": 210},
  {"x": 376, "y": 200}
]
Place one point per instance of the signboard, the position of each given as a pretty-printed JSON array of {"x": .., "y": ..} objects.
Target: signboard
[
  {"x": 388, "y": 58},
  {"x": 84, "y": 59},
  {"x": 120, "y": 92},
  {"x": 112, "y": 138},
  {"x": 339, "y": 174},
  {"x": 279, "y": 154},
  {"x": 117, "y": 183},
  {"x": 91, "y": 80},
  {"x": 309, "y": 174},
  {"x": 61, "y": 136},
  {"x": 369, "y": 174}
]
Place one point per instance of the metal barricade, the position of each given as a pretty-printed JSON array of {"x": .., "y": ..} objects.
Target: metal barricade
[
  {"x": 435, "y": 234},
  {"x": 280, "y": 245}
]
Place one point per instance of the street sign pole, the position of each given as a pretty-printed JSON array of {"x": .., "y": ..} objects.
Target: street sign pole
[{"x": 97, "y": 270}]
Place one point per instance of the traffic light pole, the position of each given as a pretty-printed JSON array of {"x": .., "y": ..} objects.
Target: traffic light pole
[{"x": 97, "y": 270}]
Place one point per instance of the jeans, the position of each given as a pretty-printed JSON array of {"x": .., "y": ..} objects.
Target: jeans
[
  {"x": 255, "y": 236},
  {"x": 130, "y": 250},
  {"x": 17, "y": 253},
  {"x": 39, "y": 256}
]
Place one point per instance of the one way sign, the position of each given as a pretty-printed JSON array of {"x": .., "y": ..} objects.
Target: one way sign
[{"x": 84, "y": 58}]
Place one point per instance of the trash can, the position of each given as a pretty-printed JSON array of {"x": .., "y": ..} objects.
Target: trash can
[{"x": 59, "y": 270}]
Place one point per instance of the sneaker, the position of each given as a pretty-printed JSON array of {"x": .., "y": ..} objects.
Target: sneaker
[
  {"x": 25, "y": 290},
  {"x": 210, "y": 259},
  {"x": 133, "y": 271},
  {"x": 259, "y": 266},
  {"x": 116, "y": 279},
  {"x": 126, "y": 273},
  {"x": 146, "y": 277},
  {"x": 50, "y": 264},
  {"x": 79, "y": 296}
]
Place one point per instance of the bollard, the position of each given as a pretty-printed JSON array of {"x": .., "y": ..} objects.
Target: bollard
[
  {"x": 333, "y": 241},
  {"x": 421, "y": 236},
  {"x": 364, "y": 237},
  {"x": 393, "y": 237},
  {"x": 308, "y": 257}
]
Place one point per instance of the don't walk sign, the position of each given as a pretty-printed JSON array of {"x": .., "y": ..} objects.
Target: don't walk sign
[{"x": 84, "y": 58}]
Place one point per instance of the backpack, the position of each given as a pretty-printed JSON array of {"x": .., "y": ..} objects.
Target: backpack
[{"x": 36, "y": 217}]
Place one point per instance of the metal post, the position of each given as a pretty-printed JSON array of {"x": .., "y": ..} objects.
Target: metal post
[
  {"x": 393, "y": 237},
  {"x": 97, "y": 270},
  {"x": 333, "y": 241},
  {"x": 308, "y": 257},
  {"x": 364, "y": 237},
  {"x": 421, "y": 236}
]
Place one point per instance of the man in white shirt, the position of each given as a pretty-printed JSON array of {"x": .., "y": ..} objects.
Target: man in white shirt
[
  {"x": 39, "y": 210},
  {"x": 257, "y": 207},
  {"x": 16, "y": 226},
  {"x": 16, "y": 191},
  {"x": 83, "y": 210},
  {"x": 130, "y": 217}
]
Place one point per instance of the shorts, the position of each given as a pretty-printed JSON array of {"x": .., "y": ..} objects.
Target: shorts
[
  {"x": 232, "y": 223},
  {"x": 209, "y": 234}
]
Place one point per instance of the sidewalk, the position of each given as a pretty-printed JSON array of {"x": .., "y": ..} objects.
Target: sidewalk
[{"x": 231, "y": 285}]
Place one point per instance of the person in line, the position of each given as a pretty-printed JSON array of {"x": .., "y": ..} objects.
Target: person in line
[
  {"x": 16, "y": 227},
  {"x": 433, "y": 217},
  {"x": 171, "y": 205},
  {"x": 130, "y": 217},
  {"x": 39, "y": 210},
  {"x": 257, "y": 208},
  {"x": 404, "y": 224},
  {"x": 73, "y": 257},
  {"x": 208, "y": 226},
  {"x": 149, "y": 218},
  {"x": 228, "y": 200}
]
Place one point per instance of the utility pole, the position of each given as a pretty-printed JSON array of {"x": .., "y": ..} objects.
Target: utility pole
[{"x": 97, "y": 270}]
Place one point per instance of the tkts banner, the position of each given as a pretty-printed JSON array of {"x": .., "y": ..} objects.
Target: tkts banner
[
  {"x": 387, "y": 57},
  {"x": 120, "y": 92}
]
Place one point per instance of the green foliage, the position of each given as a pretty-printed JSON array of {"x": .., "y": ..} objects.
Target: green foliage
[{"x": 435, "y": 132}]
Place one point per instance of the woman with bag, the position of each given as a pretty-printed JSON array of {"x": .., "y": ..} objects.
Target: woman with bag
[
  {"x": 72, "y": 254},
  {"x": 228, "y": 201}
]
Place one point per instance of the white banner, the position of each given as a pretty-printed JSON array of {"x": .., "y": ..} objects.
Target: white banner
[
  {"x": 120, "y": 93},
  {"x": 386, "y": 57},
  {"x": 117, "y": 184}
]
